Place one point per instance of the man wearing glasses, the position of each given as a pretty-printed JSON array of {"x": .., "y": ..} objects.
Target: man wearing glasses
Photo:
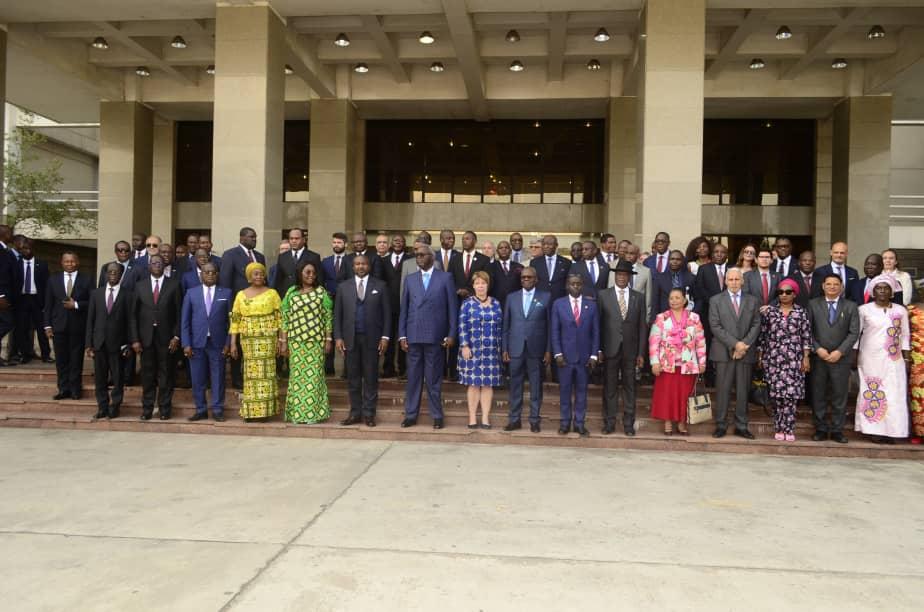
[
  {"x": 762, "y": 282},
  {"x": 123, "y": 253}
]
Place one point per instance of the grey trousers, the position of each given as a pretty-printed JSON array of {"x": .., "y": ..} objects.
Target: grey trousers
[
  {"x": 830, "y": 383},
  {"x": 735, "y": 373}
]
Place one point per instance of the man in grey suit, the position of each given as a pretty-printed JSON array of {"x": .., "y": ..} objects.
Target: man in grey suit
[
  {"x": 525, "y": 346},
  {"x": 754, "y": 281},
  {"x": 624, "y": 340},
  {"x": 734, "y": 318},
  {"x": 835, "y": 329},
  {"x": 640, "y": 281}
]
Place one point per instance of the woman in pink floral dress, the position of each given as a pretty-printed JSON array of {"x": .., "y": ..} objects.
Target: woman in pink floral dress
[{"x": 677, "y": 350}]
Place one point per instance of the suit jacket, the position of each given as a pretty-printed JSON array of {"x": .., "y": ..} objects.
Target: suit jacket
[
  {"x": 376, "y": 310},
  {"x": 591, "y": 287},
  {"x": 233, "y": 263},
  {"x": 576, "y": 342},
  {"x": 428, "y": 316},
  {"x": 331, "y": 277},
  {"x": 616, "y": 332},
  {"x": 705, "y": 285},
  {"x": 651, "y": 263},
  {"x": 438, "y": 259},
  {"x": 287, "y": 270},
  {"x": 857, "y": 288},
  {"x": 479, "y": 262},
  {"x": 729, "y": 328},
  {"x": 753, "y": 286},
  {"x": 190, "y": 280},
  {"x": 8, "y": 275},
  {"x": 662, "y": 285},
  {"x": 842, "y": 335},
  {"x": 196, "y": 326},
  {"x": 128, "y": 273},
  {"x": 640, "y": 281},
  {"x": 805, "y": 293},
  {"x": 346, "y": 265},
  {"x": 527, "y": 334},
  {"x": 144, "y": 313},
  {"x": 393, "y": 277},
  {"x": 818, "y": 278},
  {"x": 40, "y": 277},
  {"x": 554, "y": 286},
  {"x": 108, "y": 330},
  {"x": 503, "y": 284},
  {"x": 60, "y": 319}
]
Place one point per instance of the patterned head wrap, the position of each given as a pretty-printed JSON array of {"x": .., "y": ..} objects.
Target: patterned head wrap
[
  {"x": 253, "y": 267},
  {"x": 788, "y": 282}
]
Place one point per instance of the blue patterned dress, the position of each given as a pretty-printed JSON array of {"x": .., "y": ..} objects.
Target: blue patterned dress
[{"x": 480, "y": 330}]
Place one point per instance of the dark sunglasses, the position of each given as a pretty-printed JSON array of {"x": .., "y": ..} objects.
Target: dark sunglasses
[
  {"x": 151, "y": 244},
  {"x": 122, "y": 250},
  {"x": 784, "y": 292}
]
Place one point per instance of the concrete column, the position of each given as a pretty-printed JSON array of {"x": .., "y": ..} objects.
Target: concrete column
[
  {"x": 2, "y": 109},
  {"x": 163, "y": 206},
  {"x": 621, "y": 161},
  {"x": 671, "y": 119},
  {"x": 824, "y": 133},
  {"x": 861, "y": 163},
  {"x": 125, "y": 163},
  {"x": 249, "y": 115},
  {"x": 336, "y": 163}
]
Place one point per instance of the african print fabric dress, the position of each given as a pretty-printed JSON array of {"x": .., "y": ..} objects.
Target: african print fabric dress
[
  {"x": 916, "y": 319},
  {"x": 307, "y": 319},
  {"x": 882, "y": 405},
  {"x": 257, "y": 321}
]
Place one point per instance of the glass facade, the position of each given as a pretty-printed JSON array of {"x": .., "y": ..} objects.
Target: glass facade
[
  {"x": 759, "y": 163},
  {"x": 502, "y": 162}
]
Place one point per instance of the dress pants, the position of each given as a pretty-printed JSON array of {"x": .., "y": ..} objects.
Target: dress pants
[
  {"x": 28, "y": 314},
  {"x": 829, "y": 382},
  {"x": 619, "y": 373},
  {"x": 735, "y": 373},
  {"x": 158, "y": 371},
  {"x": 574, "y": 376},
  {"x": 523, "y": 367},
  {"x": 424, "y": 364},
  {"x": 362, "y": 367},
  {"x": 69, "y": 361},
  {"x": 107, "y": 365},
  {"x": 394, "y": 352},
  {"x": 205, "y": 364}
]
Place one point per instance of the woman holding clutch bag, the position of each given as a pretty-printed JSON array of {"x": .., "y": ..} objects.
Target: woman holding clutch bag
[{"x": 677, "y": 350}]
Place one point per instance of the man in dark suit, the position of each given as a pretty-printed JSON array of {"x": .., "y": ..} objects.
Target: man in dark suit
[
  {"x": 551, "y": 269},
  {"x": 362, "y": 330},
  {"x": 860, "y": 290},
  {"x": 517, "y": 254},
  {"x": 802, "y": 274},
  {"x": 138, "y": 247},
  {"x": 107, "y": 340},
  {"x": 525, "y": 346},
  {"x": 762, "y": 281},
  {"x": 393, "y": 262},
  {"x": 468, "y": 262},
  {"x": 677, "y": 275},
  {"x": 734, "y": 318},
  {"x": 835, "y": 329},
  {"x": 332, "y": 265},
  {"x": 140, "y": 263},
  {"x": 205, "y": 242},
  {"x": 657, "y": 262},
  {"x": 592, "y": 268},
  {"x": 624, "y": 336},
  {"x": 123, "y": 253},
  {"x": 67, "y": 300},
  {"x": 360, "y": 246},
  {"x": 447, "y": 254},
  {"x": 709, "y": 281},
  {"x": 231, "y": 275},
  {"x": 193, "y": 277},
  {"x": 288, "y": 264},
  {"x": 204, "y": 322},
  {"x": 30, "y": 304},
  {"x": 187, "y": 261},
  {"x": 838, "y": 266},
  {"x": 575, "y": 339},
  {"x": 505, "y": 274},
  {"x": 154, "y": 329},
  {"x": 426, "y": 328},
  {"x": 10, "y": 287}
]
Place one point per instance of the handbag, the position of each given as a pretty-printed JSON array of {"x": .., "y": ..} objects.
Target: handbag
[
  {"x": 699, "y": 407},
  {"x": 759, "y": 393}
]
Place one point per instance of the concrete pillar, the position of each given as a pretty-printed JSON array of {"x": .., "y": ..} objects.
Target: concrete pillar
[
  {"x": 671, "y": 119},
  {"x": 335, "y": 168},
  {"x": 125, "y": 163},
  {"x": 824, "y": 133},
  {"x": 2, "y": 108},
  {"x": 621, "y": 160},
  {"x": 861, "y": 163},
  {"x": 249, "y": 115},
  {"x": 163, "y": 206}
]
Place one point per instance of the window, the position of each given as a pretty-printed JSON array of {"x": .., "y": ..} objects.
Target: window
[
  {"x": 295, "y": 161},
  {"x": 194, "y": 161}
]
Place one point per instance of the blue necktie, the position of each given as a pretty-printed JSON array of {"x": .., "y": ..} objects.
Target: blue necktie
[
  {"x": 426, "y": 281},
  {"x": 527, "y": 298},
  {"x": 27, "y": 285},
  {"x": 832, "y": 313}
]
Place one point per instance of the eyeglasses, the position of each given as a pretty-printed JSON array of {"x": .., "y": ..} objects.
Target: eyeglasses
[
  {"x": 123, "y": 250},
  {"x": 784, "y": 292},
  {"x": 151, "y": 244}
]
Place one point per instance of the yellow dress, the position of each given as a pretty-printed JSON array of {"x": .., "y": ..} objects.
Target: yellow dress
[{"x": 257, "y": 321}]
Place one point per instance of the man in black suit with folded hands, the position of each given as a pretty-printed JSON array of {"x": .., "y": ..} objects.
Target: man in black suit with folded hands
[
  {"x": 288, "y": 264},
  {"x": 107, "y": 340},
  {"x": 30, "y": 303},
  {"x": 67, "y": 300}
]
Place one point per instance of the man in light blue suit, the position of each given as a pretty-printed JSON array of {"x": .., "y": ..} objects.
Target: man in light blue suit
[
  {"x": 575, "y": 332},
  {"x": 525, "y": 346},
  {"x": 427, "y": 326},
  {"x": 204, "y": 327}
]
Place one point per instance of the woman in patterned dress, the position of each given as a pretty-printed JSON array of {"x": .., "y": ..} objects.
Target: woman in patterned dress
[
  {"x": 784, "y": 348},
  {"x": 307, "y": 318},
  {"x": 883, "y": 357},
  {"x": 255, "y": 318},
  {"x": 480, "y": 320},
  {"x": 916, "y": 379},
  {"x": 677, "y": 351}
]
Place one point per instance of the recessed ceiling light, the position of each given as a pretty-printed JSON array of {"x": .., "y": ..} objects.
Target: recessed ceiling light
[
  {"x": 361, "y": 68},
  {"x": 593, "y": 64},
  {"x": 142, "y": 71},
  {"x": 342, "y": 40},
  {"x": 839, "y": 63},
  {"x": 512, "y": 36},
  {"x": 757, "y": 63},
  {"x": 875, "y": 32},
  {"x": 517, "y": 66},
  {"x": 210, "y": 69},
  {"x": 537, "y": 124},
  {"x": 178, "y": 42},
  {"x": 588, "y": 124},
  {"x": 289, "y": 70},
  {"x": 426, "y": 38},
  {"x": 784, "y": 33},
  {"x": 100, "y": 43},
  {"x": 437, "y": 67},
  {"x": 602, "y": 35}
]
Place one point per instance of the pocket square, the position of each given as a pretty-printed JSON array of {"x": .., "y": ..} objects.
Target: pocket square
[
  {"x": 374, "y": 291},
  {"x": 222, "y": 300}
]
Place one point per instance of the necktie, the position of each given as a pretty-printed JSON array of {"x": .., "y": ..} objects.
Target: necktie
[
  {"x": 295, "y": 256},
  {"x": 765, "y": 288},
  {"x": 468, "y": 264},
  {"x": 250, "y": 255},
  {"x": 623, "y": 307},
  {"x": 27, "y": 285},
  {"x": 69, "y": 287},
  {"x": 593, "y": 271},
  {"x": 832, "y": 312},
  {"x": 110, "y": 300},
  {"x": 675, "y": 280},
  {"x": 516, "y": 256},
  {"x": 361, "y": 290},
  {"x": 527, "y": 299},
  {"x": 721, "y": 271},
  {"x": 735, "y": 304},
  {"x": 782, "y": 268},
  {"x": 504, "y": 263},
  {"x": 445, "y": 261},
  {"x": 576, "y": 311},
  {"x": 426, "y": 280},
  {"x": 156, "y": 290},
  {"x": 550, "y": 263},
  {"x": 660, "y": 263},
  {"x": 839, "y": 270},
  {"x": 866, "y": 293},
  {"x": 397, "y": 260},
  {"x": 808, "y": 281},
  {"x": 208, "y": 301},
  {"x": 609, "y": 258},
  {"x": 337, "y": 265}
]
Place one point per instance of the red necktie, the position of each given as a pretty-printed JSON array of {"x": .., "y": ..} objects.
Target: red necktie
[
  {"x": 576, "y": 312},
  {"x": 765, "y": 291},
  {"x": 866, "y": 293},
  {"x": 468, "y": 264},
  {"x": 156, "y": 290},
  {"x": 660, "y": 263}
]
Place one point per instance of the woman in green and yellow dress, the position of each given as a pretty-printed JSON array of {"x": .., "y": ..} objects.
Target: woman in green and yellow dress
[
  {"x": 307, "y": 318},
  {"x": 255, "y": 317}
]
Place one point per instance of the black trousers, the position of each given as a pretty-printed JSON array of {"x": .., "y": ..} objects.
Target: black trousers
[
  {"x": 362, "y": 367},
  {"x": 28, "y": 314},
  {"x": 619, "y": 374},
  {"x": 829, "y": 384},
  {"x": 69, "y": 361},
  {"x": 158, "y": 373},
  {"x": 394, "y": 351},
  {"x": 107, "y": 365}
]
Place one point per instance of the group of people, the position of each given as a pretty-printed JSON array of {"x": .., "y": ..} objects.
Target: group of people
[{"x": 486, "y": 317}]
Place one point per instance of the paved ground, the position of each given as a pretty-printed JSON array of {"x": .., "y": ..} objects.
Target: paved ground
[{"x": 122, "y": 521}]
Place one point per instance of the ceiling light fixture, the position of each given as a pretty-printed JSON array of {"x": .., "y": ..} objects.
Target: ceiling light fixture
[
  {"x": 757, "y": 63},
  {"x": 342, "y": 40},
  {"x": 517, "y": 66},
  {"x": 784, "y": 33},
  {"x": 99, "y": 43},
  {"x": 142, "y": 71},
  {"x": 839, "y": 63},
  {"x": 289, "y": 70},
  {"x": 512, "y": 36},
  {"x": 210, "y": 69},
  {"x": 593, "y": 64},
  {"x": 875, "y": 32},
  {"x": 178, "y": 42},
  {"x": 426, "y": 38},
  {"x": 602, "y": 35},
  {"x": 361, "y": 68},
  {"x": 535, "y": 125},
  {"x": 437, "y": 67}
]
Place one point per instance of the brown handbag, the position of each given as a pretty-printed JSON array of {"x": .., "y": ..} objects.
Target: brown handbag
[{"x": 699, "y": 407}]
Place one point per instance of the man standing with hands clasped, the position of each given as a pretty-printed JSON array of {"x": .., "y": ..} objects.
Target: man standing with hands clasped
[{"x": 107, "y": 339}]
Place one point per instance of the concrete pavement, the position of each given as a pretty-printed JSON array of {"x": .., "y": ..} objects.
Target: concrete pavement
[{"x": 116, "y": 521}]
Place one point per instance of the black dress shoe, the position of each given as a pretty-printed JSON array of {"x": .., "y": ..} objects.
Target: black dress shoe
[
  {"x": 608, "y": 429},
  {"x": 820, "y": 436},
  {"x": 370, "y": 422},
  {"x": 534, "y": 427},
  {"x": 165, "y": 417},
  {"x": 513, "y": 426},
  {"x": 145, "y": 416},
  {"x": 437, "y": 423},
  {"x": 744, "y": 433},
  {"x": 75, "y": 395},
  {"x": 584, "y": 433},
  {"x": 719, "y": 432},
  {"x": 102, "y": 413},
  {"x": 47, "y": 360},
  {"x": 114, "y": 413},
  {"x": 199, "y": 416},
  {"x": 630, "y": 432},
  {"x": 839, "y": 437},
  {"x": 25, "y": 360},
  {"x": 408, "y": 422},
  {"x": 563, "y": 430},
  {"x": 218, "y": 418},
  {"x": 62, "y": 395},
  {"x": 351, "y": 420}
]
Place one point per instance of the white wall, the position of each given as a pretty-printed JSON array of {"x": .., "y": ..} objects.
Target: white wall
[{"x": 906, "y": 212}]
